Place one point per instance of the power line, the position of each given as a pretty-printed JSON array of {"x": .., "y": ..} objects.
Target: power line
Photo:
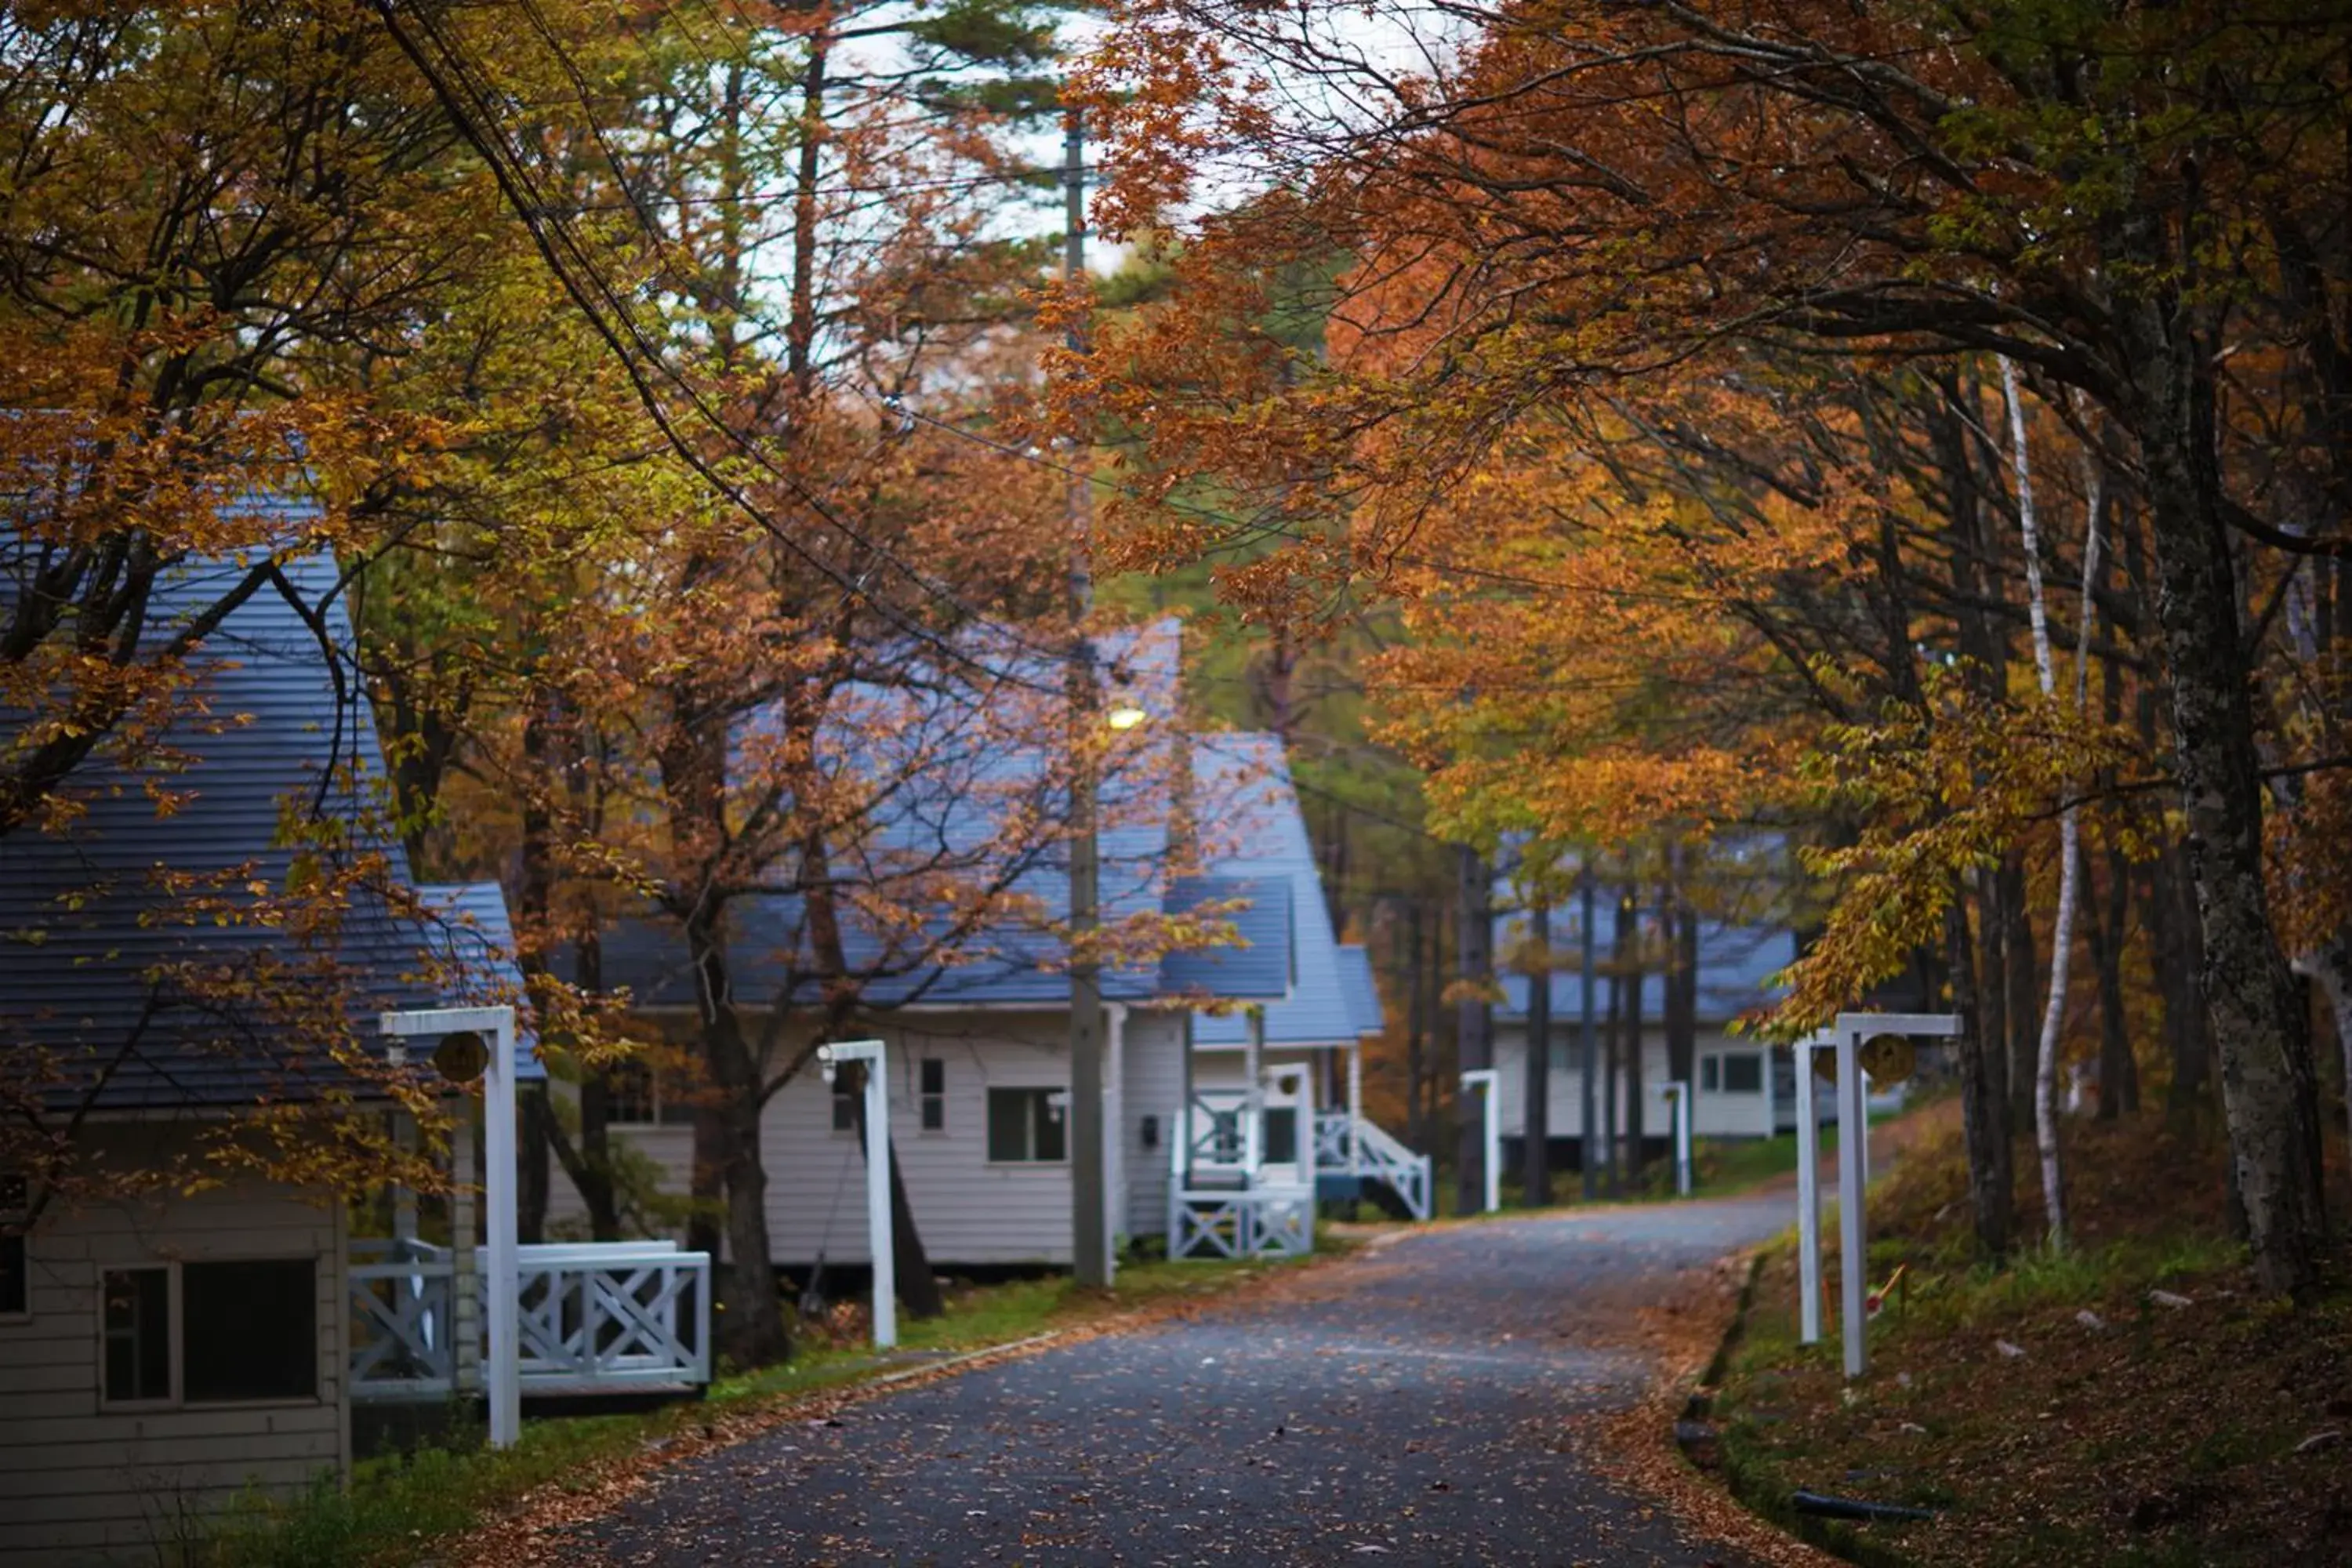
[{"x": 464, "y": 100}]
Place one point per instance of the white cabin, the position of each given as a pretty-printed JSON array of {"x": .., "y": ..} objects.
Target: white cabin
[
  {"x": 979, "y": 1085},
  {"x": 176, "y": 1332}
]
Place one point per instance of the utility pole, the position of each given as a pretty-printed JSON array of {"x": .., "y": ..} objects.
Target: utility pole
[
  {"x": 1473, "y": 1044},
  {"x": 1535, "y": 1124},
  {"x": 1590, "y": 1049},
  {"x": 1089, "y": 1204}
]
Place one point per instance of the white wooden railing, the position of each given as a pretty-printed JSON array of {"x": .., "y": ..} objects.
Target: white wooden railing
[
  {"x": 1219, "y": 1202},
  {"x": 1363, "y": 1148},
  {"x": 403, "y": 1322},
  {"x": 594, "y": 1317},
  {"x": 1219, "y": 1138}
]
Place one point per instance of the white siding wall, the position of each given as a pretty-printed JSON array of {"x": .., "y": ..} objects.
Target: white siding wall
[
  {"x": 970, "y": 1211},
  {"x": 1154, "y": 1086},
  {"x": 78, "y": 1484},
  {"x": 1713, "y": 1115}
]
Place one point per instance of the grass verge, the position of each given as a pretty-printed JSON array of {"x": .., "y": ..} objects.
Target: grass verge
[
  {"x": 2134, "y": 1401},
  {"x": 407, "y": 1509}
]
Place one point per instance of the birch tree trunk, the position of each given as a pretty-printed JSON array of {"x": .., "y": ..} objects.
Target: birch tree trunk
[{"x": 2070, "y": 823}]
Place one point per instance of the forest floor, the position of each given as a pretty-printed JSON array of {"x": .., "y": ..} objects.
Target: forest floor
[{"x": 2135, "y": 1401}]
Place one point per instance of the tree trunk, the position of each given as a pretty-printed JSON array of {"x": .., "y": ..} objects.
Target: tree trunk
[
  {"x": 1681, "y": 971},
  {"x": 1984, "y": 1106},
  {"x": 917, "y": 1287},
  {"x": 2070, "y": 815},
  {"x": 751, "y": 1329},
  {"x": 1991, "y": 1001},
  {"x": 2268, "y": 1090},
  {"x": 1474, "y": 956},
  {"x": 2021, "y": 987},
  {"x": 589, "y": 1165},
  {"x": 1611, "y": 1115},
  {"x": 531, "y": 1167},
  {"x": 728, "y": 1178},
  {"x": 2330, "y": 964},
  {"x": 1416, "y": 1067},
  {"x": 2104, "y": 933},
  {"x": 2111, "y": 935},
  {"x": 535, "y": 896},
  {"x": 1636, "y": 1156},
  {"x": 1534, "y": 1162}
]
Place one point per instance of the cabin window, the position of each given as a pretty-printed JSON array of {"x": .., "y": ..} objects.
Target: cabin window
[
  {"x": 249, "y": 1330},
  {"x": 931, "y": 1082},
  {"x": 136, "y": 1319},
  {"x": 1026, "y": 1126},
  {"x": 15, "y": 1264},
  {"x": 640, "y": 1097},
  {"x": 1743, "y": 1073},
  {"x": 1711, "y": 1074}
]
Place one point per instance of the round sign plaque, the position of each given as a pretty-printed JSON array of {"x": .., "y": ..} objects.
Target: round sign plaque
[
  {"x": 461, "y": 1057},
  {"x": 1889, "y": 1059}
]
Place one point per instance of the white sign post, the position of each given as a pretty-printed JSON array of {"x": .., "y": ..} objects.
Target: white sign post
[
  {"x": 1678, "y": 1095},
  {"x": 502, "y": 1289},
  {"x": 879, "y": 1240},
  {"x": 1808, "y": 1193},
  {"x": 1854, "y": 1170},
  {"x": 1482, "y": 1081}
]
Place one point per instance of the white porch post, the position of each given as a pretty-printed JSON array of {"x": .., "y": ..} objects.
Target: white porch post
[
  {"x": 498, "y": 1289},
  {"x": 1854, "y": 1157},
  {"x": 1482, "y": 1081},
  {"x": 1114, "y": 1134},
  {"x": 1254, "y": 1093},
  {"x": 504, "y": 1231},
  {"x": 1682, "y": 1100},
  {"x": 879, "y": 1240},
  {"x": 1355, "y": 1105},
  {"x": 1808, "y": 1196},
  {"x": 1854, "y": 1262}
]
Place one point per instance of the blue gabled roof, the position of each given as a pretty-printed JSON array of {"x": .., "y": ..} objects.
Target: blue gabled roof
[
  {"x": 1736, "y": 965},
  {"x": 1261, "y": 967},
  {"x": 96, "y": 947},
  {"x": 1362, "y": 992},
  {"x": 469, "y": 933},
  {"x": 1255, "y": 829},
  {"x": 954, "y": 777}
]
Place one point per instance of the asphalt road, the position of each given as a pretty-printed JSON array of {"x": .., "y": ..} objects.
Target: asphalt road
[{"x": 1412, "y": 1406}]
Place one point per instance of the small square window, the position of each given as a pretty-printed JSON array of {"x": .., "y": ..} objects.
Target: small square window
[
  {"x": 15, "y": 1275},
  {"x": 932, "y": 1083},
  {"x": 1743, "y": 1073},
  {"x": 1026, "y": 1126},
  {"x": 249, "y": 1330},
  {"x": 138, "y": 1326},
  {"x": 649, "y": 1093},
  {"x": 15, "y": 1264},
  {"x": 629, "y": 1086},
  {"x": 1710, "y": 1073}
]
